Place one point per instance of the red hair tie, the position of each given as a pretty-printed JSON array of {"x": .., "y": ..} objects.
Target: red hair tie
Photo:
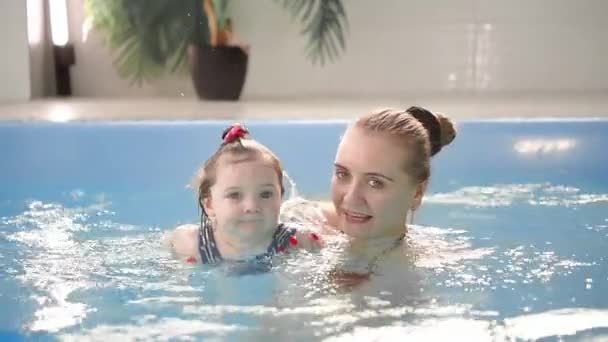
[{"x": 234, "y": 132}]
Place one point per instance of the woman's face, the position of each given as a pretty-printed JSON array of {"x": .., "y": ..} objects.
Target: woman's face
[{"x": 371, "y": 191}]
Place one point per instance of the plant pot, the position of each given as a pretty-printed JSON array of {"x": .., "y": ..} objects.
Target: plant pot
[{"x": 218, "y": 73}]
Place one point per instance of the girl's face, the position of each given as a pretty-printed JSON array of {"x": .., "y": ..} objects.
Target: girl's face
[{"x": 246, "y": 197}]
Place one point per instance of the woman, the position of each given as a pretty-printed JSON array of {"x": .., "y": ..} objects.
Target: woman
[{"x": 382, "y": 168}]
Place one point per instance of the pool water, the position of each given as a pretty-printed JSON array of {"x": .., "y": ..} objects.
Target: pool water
[{"x": 511, "y": 242}]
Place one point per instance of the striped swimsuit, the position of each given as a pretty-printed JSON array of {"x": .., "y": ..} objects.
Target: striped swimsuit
[{"x": 211, "y": 255}]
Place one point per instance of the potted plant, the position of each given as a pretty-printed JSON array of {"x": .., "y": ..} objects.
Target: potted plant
[{"x": 150, "y": 37}]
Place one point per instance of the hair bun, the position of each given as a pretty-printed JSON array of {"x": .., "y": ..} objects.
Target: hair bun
[
  {"x": 440, "y": 129},
  {"x": 448, "y": 131},
  {"x": 431, "y": 124}
]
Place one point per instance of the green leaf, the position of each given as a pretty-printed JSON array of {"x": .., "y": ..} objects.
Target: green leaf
[
  {"x": 149, "y": 37},
  {"x": 324, "y": 22}
]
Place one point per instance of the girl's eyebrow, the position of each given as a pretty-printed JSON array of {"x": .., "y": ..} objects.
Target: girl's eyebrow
[{"x": 233, "y": 188}]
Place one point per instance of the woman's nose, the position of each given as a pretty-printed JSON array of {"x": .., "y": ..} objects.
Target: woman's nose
[{"x": 353, "y": 194}]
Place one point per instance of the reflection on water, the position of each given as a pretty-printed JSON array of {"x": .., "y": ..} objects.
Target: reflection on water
[
  {"x": 562, "y": 322},
  {"x": 544, "y": 146},
  {"x": 88, "y": 276},
  {"x": 504, "y": 195}
]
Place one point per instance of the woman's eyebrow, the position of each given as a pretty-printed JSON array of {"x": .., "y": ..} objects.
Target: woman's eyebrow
[{"x": 374, "y": 174}]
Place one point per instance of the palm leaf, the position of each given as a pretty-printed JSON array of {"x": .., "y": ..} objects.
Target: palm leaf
[
  {"x": 324, "y": 22},
  {"x": 149, "y": 36}
]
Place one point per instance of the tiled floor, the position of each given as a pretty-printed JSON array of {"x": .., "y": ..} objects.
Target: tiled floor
[{"x": 458, "y": 108}]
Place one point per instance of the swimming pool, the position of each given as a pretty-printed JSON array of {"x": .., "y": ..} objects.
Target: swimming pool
[{"x": 510, "y": 244}]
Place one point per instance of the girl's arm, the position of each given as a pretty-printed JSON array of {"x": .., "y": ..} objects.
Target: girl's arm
[{"x": 183, "y": 241}]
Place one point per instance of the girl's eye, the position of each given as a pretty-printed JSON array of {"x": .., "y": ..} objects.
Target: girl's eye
[
  {"x": 267, "y": 194},
  {"x": 234, "y": 195}
]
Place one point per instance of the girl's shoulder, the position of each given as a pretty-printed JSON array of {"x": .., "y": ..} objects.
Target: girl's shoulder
[{"x": 183, "y": 240}]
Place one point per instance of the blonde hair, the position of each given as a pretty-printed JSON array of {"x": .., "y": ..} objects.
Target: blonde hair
[{"x": 421, "y": 132}]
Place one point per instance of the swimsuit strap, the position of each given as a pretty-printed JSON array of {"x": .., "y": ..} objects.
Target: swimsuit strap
[
  {"x": 280, "y": 239},
  {"x": 206, "y": 243},
  {"x": 210, "y": 254}
]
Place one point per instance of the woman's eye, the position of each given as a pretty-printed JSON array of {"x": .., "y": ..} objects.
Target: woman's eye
[
  {"x": 341, "y": 174},
  {"x": 267, "y": 194},
  {"x": 376, "y": 183}
]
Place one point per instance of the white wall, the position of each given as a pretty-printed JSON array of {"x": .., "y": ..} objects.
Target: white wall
[
  {"x": 40, "y": 48},
  {"x": 14, "y": 59},
  {"x": 397, "y": 47}
]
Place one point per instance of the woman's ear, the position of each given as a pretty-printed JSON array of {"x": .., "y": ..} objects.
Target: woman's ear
[{"x": 420, "y": 190}]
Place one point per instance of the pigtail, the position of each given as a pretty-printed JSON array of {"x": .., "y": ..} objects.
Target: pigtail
[{"x": 235, "y": 132}]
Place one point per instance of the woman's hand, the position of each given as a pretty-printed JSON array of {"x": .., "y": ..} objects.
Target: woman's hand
[{"x": 308, "y": 239}]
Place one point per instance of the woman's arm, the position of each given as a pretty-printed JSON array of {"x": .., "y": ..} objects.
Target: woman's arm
[
  {"x": 306, "y": 211},
  {"x": 329, "y": 213}
]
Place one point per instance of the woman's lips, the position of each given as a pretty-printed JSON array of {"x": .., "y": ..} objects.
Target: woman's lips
[{"x": 356, "y": 218}]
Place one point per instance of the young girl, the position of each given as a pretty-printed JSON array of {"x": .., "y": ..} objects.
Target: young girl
[{"x": 240, "y": 191}]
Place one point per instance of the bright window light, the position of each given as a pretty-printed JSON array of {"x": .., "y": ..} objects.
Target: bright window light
[
  {"x": 59, "y": 22},
  {"x": 35, "y": 20}
]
